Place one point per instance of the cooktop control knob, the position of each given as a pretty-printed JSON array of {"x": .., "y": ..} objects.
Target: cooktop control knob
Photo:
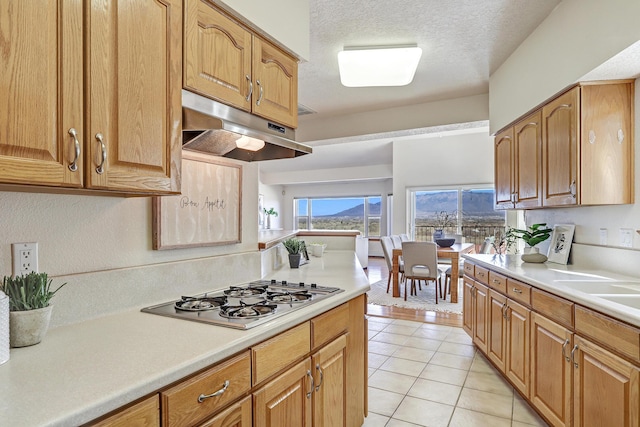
[
  {"x": 273, "y": 281},
  {"x": 314, "y": 285},
  {"x": 301, "y": 284},
  {"x": 284, "y": 282}
]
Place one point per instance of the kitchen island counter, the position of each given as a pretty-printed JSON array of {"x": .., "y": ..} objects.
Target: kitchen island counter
[
  {"x": 604, "y": 291},
  {"x": 84, "y": 370}
]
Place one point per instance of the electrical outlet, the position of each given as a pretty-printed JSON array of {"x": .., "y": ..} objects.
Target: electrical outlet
[
  {"x": 25, "y": 258},
  {"x": 626, "y": 237},
  {"x": 603, "y": 236}
]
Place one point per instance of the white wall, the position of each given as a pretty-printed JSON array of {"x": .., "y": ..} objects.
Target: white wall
[
  {"x": 576, "y": 37},
  {"x": 437, "y": 113},
  {"x": 80, "y": 234},
  {"x": 273, "y": 199},
  {"x": 287, "y": 21},
  {"x": 451, "y": 159}
]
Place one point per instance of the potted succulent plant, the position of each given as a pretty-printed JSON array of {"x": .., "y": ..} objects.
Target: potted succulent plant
[
  {"x": 294, "y": 247},
  {"x": 269, "y": 212},
  {"x": 534, "y": 234},
  {"x": 29, "y": 307}
]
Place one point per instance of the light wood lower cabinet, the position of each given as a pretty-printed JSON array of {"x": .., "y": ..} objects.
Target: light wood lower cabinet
[
  {"x": 237, "y": 415},
  {"x": 145, "y": 413},
  {"x": 551, "y": 370},
  {"x": 286, "y": 400},
  {"x": 582, "y": 373},
  {"x": 330, "y": 379},
  {"x": 606, "y": 388}
]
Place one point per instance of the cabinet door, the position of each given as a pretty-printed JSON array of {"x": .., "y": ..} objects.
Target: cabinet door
[
  {"x": 561, "y": 127},
  {"x": 238, "y": 415},
  {"x": 606, "y": 146},
  {"x": 527, "y": 136},
  {"x": 496, "y": 339},
  {"x": 275, "y": 77},
  {"x": 285, "y": 401},
  {"x": 503, "y": 169},
  {"x": 217, "y": 55},
  {"x": 606, "y": 387},
  {"x": 41, "y": 83},
  {"x": 551, "y": 370},
  {"x": 330, "y": 379},
  {"x": 133, "y": 82},
  {"x": 517, "y": 348},
  {"x": 480, "y": 321},
  {"x": 467, "y": 305}
]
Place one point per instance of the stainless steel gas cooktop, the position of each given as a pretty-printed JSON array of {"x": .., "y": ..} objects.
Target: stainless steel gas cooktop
[{"x": 245, "y": 306}]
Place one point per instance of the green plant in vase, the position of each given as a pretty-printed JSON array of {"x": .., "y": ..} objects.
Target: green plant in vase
[
  {"x": 29, "y": 307},
  {"x": 533, "y": 235},
  {"x": 294, "y": 247},
  {"x": 269, "y": 213}
]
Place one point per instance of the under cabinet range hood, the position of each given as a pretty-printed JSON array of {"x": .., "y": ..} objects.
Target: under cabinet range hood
[{"x": 215, "y": 128}]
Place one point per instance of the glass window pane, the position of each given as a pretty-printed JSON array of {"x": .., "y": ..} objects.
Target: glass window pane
[
  {"x": 374, "y": 226},
  {"x": 374, "y": 206},
  {"x": 338, "y": 214},
  {"x": 302, "y": 207},
  {"x": 479, "y": 219},
  {"x": 435, "y": 210},
  {"x": 302, "y": 223}
]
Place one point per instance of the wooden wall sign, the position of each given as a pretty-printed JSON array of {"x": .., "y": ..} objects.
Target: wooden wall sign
[{"x": 209, "y": 210}]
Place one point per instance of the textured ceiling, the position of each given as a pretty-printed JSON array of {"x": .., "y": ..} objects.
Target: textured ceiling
[{"x": 462, "y": 41}]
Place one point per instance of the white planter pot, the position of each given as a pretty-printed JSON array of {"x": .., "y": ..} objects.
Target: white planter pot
[
  {"x": 533, "y": 255},
  {"x": 28, "y": 327}
]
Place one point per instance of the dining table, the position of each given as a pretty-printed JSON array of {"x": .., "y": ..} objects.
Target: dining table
[{"x": 452, "y": 252}]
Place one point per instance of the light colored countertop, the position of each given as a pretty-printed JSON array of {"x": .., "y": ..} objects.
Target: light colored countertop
[
  {"x": 84, "y": 370},
  {"x": 605, "y": 291}
]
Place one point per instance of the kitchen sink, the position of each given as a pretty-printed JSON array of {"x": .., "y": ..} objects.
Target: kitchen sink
[
  {"x": 628, "y": 300},
  {"x": 603, "y": 288}
]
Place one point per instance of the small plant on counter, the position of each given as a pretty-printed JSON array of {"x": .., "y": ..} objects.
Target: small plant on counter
[
  {"x": 28, "y": 292},
  {"x": 535, "y": 234},
  {"x": 270, "y": 211},
  {"x": 293, "y": 245}
]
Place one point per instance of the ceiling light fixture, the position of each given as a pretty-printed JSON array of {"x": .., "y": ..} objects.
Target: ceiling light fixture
[
  {"x": 378, "y": 65},
  {"x": 248, "y": 143}
]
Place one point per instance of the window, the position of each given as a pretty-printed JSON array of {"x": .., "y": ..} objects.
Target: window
[
  {"x": 471, "y": 211},
  {"x": 339, "y": 213}
]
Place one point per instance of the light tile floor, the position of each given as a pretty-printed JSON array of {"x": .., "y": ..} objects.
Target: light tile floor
[{"x": 423, "y": 374}]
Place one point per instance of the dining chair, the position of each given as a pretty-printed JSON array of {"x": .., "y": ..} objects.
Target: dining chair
[
  {"x": 405, "y": 238},
  {"x": 421, "y": 263},
  {"x": 387, "y": 250},
  {"x": 485, "y": 248},
  {"x": 397, "y": 241}
]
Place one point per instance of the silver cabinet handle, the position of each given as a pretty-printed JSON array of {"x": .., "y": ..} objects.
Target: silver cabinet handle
[
  {"x": 74, "y": 165},
  {"x": 248, "y": 98},
  {"x": 563, "y": 353},
  {"x": 517, "y": 291},
  {"x": 310, "y": 375},
  {"x": 321, "y": 376},
  {"x": 261, "y": 92},
  {"x": 572, "y": 188},
  {"x": 103, "y": 150},
  {"x": 224, "y": 388},
  {"x": 575, "y": 364},
  {"x": 504, "y": 311}
]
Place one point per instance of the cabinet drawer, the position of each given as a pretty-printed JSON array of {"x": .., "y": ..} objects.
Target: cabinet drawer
[
  {"x": 481, "y": 274},
  {"x": 553, "y": 307},
  {"x": 498, "y": 282},
  {"x": 180, "y": 404},
  {"x": 469, "y": 269},
  {"x": 280, "y": 351},
  {"x": 611, "y": 333},
  {"x": 144, "y": 413},
  {"x": 519, "y": 291},
  {"x": 329, "y": 325}
]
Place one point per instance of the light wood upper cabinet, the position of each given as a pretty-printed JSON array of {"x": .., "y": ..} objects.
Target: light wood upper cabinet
[
  {"x": 217, "y": 55},
  {"x": 561, "y": 118},
  {"x": 106, "y": 116},
  {"x": 226, "y": 62},
  {"x": 577, "y": 149},
  {"x": 606, "y": 145},
  {"x": 41, "y": 82},
  {"x": 134, "y": 103},
  {"x": 276, "y": 84},
  {"x": 503, "y": 168},
  {"x": 527, "y": 168}
]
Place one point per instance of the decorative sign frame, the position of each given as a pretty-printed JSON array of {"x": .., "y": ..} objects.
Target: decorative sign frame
[
  {"x": 561, "y": 240},
  {"x": 209, "y": 210}
]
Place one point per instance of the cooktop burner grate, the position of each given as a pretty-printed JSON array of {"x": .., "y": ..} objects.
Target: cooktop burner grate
[
  {"x": 248, "y": 311},
  {"x": 200, "y": 304}
]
